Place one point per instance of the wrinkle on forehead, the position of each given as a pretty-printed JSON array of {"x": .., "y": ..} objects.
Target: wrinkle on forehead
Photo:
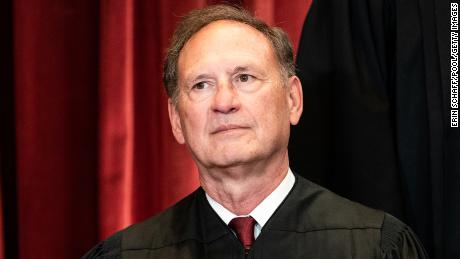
[{"x": 214, "y": 37}]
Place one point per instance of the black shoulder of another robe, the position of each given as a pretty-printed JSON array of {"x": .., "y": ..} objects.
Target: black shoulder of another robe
[{"x": 312, "y": 222}]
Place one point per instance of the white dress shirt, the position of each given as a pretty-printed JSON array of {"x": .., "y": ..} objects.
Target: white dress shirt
[{"x": 264, "y": 210}]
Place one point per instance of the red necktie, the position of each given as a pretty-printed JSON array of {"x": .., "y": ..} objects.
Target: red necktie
[{"x": 244, "y": 229}]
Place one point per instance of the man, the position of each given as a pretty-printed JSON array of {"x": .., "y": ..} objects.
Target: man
[{"x": 233, "y": 97}]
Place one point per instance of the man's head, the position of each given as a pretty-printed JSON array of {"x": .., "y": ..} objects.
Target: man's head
[
  {"x": 235, "y": 100},
  {"x": 197, "y": 19}
]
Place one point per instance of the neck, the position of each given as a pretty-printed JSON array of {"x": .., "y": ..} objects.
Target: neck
[{"x": 241, "y": 188}]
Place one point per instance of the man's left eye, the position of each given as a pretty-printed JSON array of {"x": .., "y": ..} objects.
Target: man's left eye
[{"x": 244, "y": 78}]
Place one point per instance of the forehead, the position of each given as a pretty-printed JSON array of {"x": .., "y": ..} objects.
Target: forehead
[
  {"x": 222, "y": 40},
  {"x": 227, "y": 29}
]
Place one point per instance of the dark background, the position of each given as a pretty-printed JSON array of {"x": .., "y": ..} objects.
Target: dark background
[{"x": 376, "y": 122}]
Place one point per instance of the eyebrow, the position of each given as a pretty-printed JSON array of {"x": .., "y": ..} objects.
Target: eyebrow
[
  {"x": 237, "y": 69},
  {"x": 253, "y": 68},
  {"x": 199, "y": 77}
]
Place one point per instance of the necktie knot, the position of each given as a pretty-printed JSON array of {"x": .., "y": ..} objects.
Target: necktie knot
[{"x": 244, "y": 229}]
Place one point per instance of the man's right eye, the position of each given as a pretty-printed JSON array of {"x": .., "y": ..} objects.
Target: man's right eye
[{"x": 200, "y": 86}]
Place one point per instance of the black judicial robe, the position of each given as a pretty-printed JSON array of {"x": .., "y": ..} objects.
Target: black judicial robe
[{"x": 311, "y": 222}]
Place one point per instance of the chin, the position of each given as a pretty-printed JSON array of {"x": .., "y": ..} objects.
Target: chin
[
  {"x": 228, "y": 162},
  {"x": 225, "y": 160},
  {"x": 239, "y": 157}
]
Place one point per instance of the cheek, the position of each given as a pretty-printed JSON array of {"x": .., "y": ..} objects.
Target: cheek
[
  {"x": 193, "y": 123},
  {"x": 270, "y": 110},
  {"x": 277, "y": 103}
]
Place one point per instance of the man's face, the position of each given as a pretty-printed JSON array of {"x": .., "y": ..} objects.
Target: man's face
[{"x": 234, "y": 106}]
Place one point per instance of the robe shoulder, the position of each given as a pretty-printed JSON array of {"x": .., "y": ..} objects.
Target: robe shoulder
[
  {"x": 399, "y": 241},
  {"x": 310, "y": 207},
  {"x": 163, "y": 229},
  {"x": 313, "y": 209},
  {"x": 107, "y": 249}
]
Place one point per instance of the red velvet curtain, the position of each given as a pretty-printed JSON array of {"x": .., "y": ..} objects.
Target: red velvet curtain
[{"x": 94, "y": 151}]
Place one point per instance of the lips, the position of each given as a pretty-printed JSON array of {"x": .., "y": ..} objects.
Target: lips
[{"x": 227, "y": 127}]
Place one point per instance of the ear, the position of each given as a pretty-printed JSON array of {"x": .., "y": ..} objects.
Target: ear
[
  {"x": 174, "y": 119},
  {"x": 295, "y": 99}
]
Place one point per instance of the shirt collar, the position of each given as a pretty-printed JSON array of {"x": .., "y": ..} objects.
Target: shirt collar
[{"x": 265, "y": 209}]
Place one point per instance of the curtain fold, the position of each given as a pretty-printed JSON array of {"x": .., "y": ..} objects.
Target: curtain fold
[
  {"x": 116, "y": 110},
  {"x": 55, "y": 85}
]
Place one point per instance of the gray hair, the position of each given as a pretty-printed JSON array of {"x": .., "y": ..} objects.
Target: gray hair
[{"x": 197, "y": 19}]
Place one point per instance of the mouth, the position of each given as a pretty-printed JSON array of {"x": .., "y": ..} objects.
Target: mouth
[{"x": 227, "y": 128}]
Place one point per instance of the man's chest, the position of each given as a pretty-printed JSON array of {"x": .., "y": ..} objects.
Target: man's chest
[{"x": 323, "y": 244}]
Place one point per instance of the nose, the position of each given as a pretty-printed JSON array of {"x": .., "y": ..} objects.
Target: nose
[{"x": 226, "y": 99}]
